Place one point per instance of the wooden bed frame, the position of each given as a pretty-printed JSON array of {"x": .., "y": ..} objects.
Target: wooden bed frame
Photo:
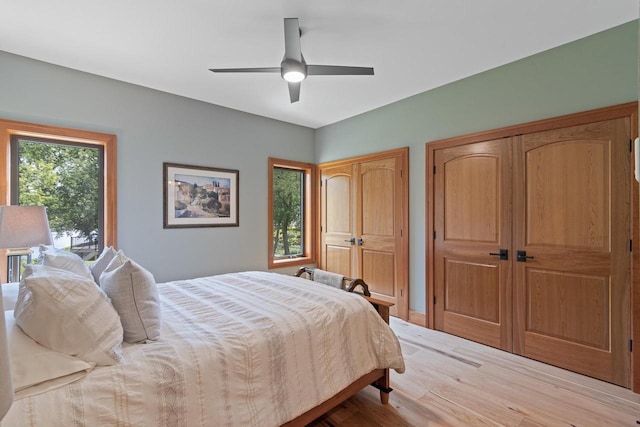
[
  {"x": 372, "y": 378},
  {"x": 378, "y": 378}
]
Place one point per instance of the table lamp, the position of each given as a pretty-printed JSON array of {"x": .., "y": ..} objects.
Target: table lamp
[{"x": 24, "y": 227}]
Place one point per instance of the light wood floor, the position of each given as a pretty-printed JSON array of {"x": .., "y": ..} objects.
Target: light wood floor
[{"x": 450, "y": 381}]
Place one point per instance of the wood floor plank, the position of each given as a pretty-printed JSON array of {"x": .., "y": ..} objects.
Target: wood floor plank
[
  {"x": 560, "y": 377},
  {"x": 466, "y": 395},
  {"x": 459, "y": 412},
  {"x": 450, "y": 381},
  {"x": 544, "y": 402}
]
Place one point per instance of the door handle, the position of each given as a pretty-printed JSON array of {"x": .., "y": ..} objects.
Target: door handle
[
  {"x": 521, "y": 256},
  {"x": 360, "y": 241},
  {"x": 351, "y": 240},
  {"x": 502, "y": 253}
]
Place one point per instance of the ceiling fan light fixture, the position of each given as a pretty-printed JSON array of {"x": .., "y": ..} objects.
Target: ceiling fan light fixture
[
  {"x": 293, "y": 76},
  {"x": 293, "y": 71}
]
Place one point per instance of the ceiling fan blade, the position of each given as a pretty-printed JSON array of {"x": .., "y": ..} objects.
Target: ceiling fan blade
[
  {"x": 246, "y": 70},
  {"x": 292, "y": 48},
  {"x": 294, "y": 91},
  {"x": 338, "y": 70}
]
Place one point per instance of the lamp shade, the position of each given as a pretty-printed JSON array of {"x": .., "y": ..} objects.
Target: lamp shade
[
  {"x": 24, "y": 227},
  {"x": 6, "y": 388}
]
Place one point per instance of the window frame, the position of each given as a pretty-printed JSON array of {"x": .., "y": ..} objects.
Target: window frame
[
  {"x": 309, "y": 214},
  {"x": 14, "y": 154},
  {"x": 9, "y": 129}
]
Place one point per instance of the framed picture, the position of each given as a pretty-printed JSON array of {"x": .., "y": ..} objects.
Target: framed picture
[{"x": 198, "y": 196}]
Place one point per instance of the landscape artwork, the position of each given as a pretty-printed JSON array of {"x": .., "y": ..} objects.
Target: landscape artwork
[{"x": 199, "y": 196}]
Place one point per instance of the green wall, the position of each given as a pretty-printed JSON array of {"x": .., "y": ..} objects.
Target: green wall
[{"x": 593, "y": 72}]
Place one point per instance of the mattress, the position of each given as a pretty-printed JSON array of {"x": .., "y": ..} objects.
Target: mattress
[{"x": 240, "y": 349}]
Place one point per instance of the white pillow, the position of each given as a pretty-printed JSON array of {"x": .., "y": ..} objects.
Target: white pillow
[
  {"x": 35, "y": 368},
  {"x": 134, "y": 295},
  {"x": 101, "y": 263},
  {"x": 118, "y": 259},
  {"x": 69, "y": 314},
  {"x": 63, "y": 260}
]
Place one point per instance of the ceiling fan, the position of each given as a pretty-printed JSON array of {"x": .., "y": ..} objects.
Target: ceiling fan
[{"x": 293, "y": 67}]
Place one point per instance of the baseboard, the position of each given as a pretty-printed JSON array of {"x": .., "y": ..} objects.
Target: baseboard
[{"x": 417, "y": 318}]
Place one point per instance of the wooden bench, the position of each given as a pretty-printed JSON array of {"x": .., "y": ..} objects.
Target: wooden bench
[{"x": 348, "y": 284}]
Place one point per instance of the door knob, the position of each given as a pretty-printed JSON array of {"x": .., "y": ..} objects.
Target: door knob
[
  {"x": 502, "y": 253},
  {"x": 521, "y": 256},
  {"x": 351, "y": 240}
]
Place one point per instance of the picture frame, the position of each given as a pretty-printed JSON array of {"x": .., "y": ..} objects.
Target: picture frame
[{"x": 200, "y": 196}]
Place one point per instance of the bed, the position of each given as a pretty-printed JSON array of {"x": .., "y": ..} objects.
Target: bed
[{"x": 240, "y": 349}]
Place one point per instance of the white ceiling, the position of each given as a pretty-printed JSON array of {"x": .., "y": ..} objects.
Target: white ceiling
[{"x": 414, "y": 45}]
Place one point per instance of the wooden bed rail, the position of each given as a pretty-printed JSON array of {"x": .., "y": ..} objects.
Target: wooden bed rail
[{"x": 378, "y": 377}]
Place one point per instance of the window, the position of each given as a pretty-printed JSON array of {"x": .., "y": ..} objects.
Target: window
[
  {"x": 68, "y": 179},
  {"x": 98, "y": 149},
  {"x": 291, "y": 213}
]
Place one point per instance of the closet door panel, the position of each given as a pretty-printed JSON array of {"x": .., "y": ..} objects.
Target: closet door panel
[
  {"x": 561, "y": 180},
  {"x": 378, "y": 269},
  {"x": 337, "y": 220},
  {"x": 379, "y": 224},
  {"x": 570, "y": 307},
  {"x": 480, "y": 301},
  {"x": 572, "y": 218},
  {"x": 377, "y": 182},
  {"x": 472, "y": 221},
  {"x": 338, "y": 260}
]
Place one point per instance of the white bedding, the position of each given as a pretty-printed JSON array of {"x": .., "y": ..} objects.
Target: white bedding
[
  {"x": 242, "y": 349},
  {"x": 9, "y": 295}
]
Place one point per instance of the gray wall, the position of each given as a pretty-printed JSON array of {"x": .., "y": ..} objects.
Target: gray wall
[
  {"x": 597, "y": 71},
  {"x": 154, "y": 127}
]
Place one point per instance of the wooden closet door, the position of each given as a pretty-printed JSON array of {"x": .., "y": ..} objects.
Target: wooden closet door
[
  {"x": 364, "y": 222},
  {"x": 337, "y": 220},
  {"x": 379, "y": 216},
  {"x": 472, "y": 221},
  {"x": 572, "y": 217}
]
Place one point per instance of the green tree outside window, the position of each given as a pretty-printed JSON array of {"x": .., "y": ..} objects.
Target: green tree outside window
[
  {"x": 288, "y": 187},
  {"x": 66, "y": 180}
]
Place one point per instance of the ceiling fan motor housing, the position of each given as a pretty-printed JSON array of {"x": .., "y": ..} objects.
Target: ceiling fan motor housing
[{"x": 293, "y": 71}]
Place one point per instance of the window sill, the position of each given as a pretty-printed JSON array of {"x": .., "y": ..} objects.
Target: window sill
[{"x": 281, "y": 263}]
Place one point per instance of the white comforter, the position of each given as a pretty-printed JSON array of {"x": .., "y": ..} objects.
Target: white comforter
[{"x": 241, "y": 349}]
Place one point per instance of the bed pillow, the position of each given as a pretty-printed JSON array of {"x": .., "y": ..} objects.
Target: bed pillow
[
  {"x": 69, "y": 314},
  {"x": 108, "y": 253},
  {"x": 116, "y": 261},
  {"x": 134, "y": 295},
  {"x": 64, "y": 260},
  {"x": 36, "y": 369}
]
